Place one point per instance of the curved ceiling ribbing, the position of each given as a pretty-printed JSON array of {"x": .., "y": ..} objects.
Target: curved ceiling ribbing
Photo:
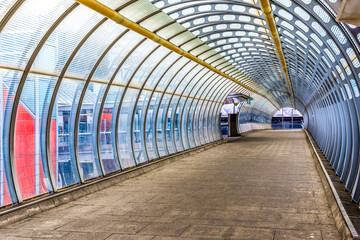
[
  {"x": 61, "y": 63},
  {"x": 83, "y": 96},
  {"x": 236, "y": 30},
  {"x": 300, "y": 33}
]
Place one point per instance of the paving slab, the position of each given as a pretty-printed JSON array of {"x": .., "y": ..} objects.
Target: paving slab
[{"x": 261, "y": 186}]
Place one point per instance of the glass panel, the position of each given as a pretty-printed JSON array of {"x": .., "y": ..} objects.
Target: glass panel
[
  {"x": 81, "y": 66},
  {"x": 210, "y": 93},
  {"x": 353, "y": 57},
  {"x": 170, "y": 126},
  {"x": 189, "y": 77},
  {"x": 180, "y": 144},
  {"x": 179, "y": 77},
  {"x": 106, "y": 69},
  {"x": 115, "y": 56},
  {"x": 87, "y": 131},
  {"x": 5, "y": 6},
  {"x": 285, "y": 14},
  {"x": 150, "y": 126},
  {"x": 18, "y": 40},
  {"x": 139, "y": 128},
  {"x": 65, "y": 38},
  {"x": 155, "y": 22},
  {"x": 355, "y": 88},
  {"x": 5, "y": 79},
  {"x": 348, "y": 91},
  {"x": 333, "y": 46},
  {"x": 200, "y": 84},
  {"x": 184, "y": 126},
  {"x": 209, "y": 118},
  {"x": 25, "y": 29},
  {"x": 204, "y": 109},
  {"x": 191, "y": 128},
  {"x": 336, "y": 30},
  {"x": 206, "y": 131},
  {"x": 198, "y": 123},
  {"x": 321, "y": 13},
  {"x": 161, "y": 124},
  {"x": 95, "y": 45},
  {"x": 301, "y": 12},
  {"x": 63, "y": 121},
  {"x": 27, "y": 149},
  {"x": 195, "y": 83},
  {"x": 209, "y": 121},
  {"x": 107, "y": 130},
  {"x": 216, "y": 123},
  {"x": 52, "y": 57},
  {"x": 132, "y": 62},
  {"x": 161, "y": 69},
  {"x": 143, "y": 72},
  {"x": 124, "y": 128},
  {"x": 138, "y": 10},
  {"x": 168, "y": 78}
]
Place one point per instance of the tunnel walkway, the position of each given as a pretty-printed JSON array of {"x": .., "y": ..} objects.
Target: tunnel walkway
[{"x": 261, "y": 186}]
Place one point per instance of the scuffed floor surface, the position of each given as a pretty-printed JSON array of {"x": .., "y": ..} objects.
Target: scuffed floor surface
[{"x": 262, "y": 186}]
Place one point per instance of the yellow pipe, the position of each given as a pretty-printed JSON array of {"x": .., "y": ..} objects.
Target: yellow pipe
[
  {"x": 269, "y": 17},
  {"x": 117, "y": 17}
]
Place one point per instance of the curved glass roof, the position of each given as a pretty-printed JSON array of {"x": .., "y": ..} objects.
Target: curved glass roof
[{"x": 311, "y": 40}]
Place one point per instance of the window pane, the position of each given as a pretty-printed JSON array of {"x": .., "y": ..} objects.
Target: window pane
[
  {"x": 191, "y": 129},
  {"x": 184, "y": 126},
  {"x": 139, "y": 128},
  {"x": 25, "y": 29},
  {"x": 63, "y": 121},
  {"x": 150, "y": 126},
  {"x": 107, "y": 130},
  {"x": 160, "y": 126},
  {"x": 178, "y": 133},
  {"x": 5, "y": 78},
  {"x": 132, "y": 62},
  {"x": 195, "y": 121},
  {"x": 124, "y": 128},
  {"x": 170, "y": 127},
  {"x": 27, "y": 151},
  {"x": 145, "y": 69},
  {"x": 87, "y": 131}
]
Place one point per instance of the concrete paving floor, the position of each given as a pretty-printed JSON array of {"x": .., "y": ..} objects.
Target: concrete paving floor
[{"x": 262, "y": 186}]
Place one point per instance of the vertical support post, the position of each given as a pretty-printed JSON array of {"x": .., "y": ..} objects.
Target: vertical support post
[
  {"x": 37, "y": 136},
  {"x": 292, "y": 118},
  {"x": 56, "y": 177},
  {"x": 282, "y": 119}
]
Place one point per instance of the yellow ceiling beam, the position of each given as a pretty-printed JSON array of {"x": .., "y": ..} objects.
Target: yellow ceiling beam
[
  {"x": 269, "y": 17},
  {"x": 122, "y": 20}
]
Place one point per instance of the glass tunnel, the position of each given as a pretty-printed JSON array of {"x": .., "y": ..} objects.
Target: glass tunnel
[{"x": 95, "y": 87}]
